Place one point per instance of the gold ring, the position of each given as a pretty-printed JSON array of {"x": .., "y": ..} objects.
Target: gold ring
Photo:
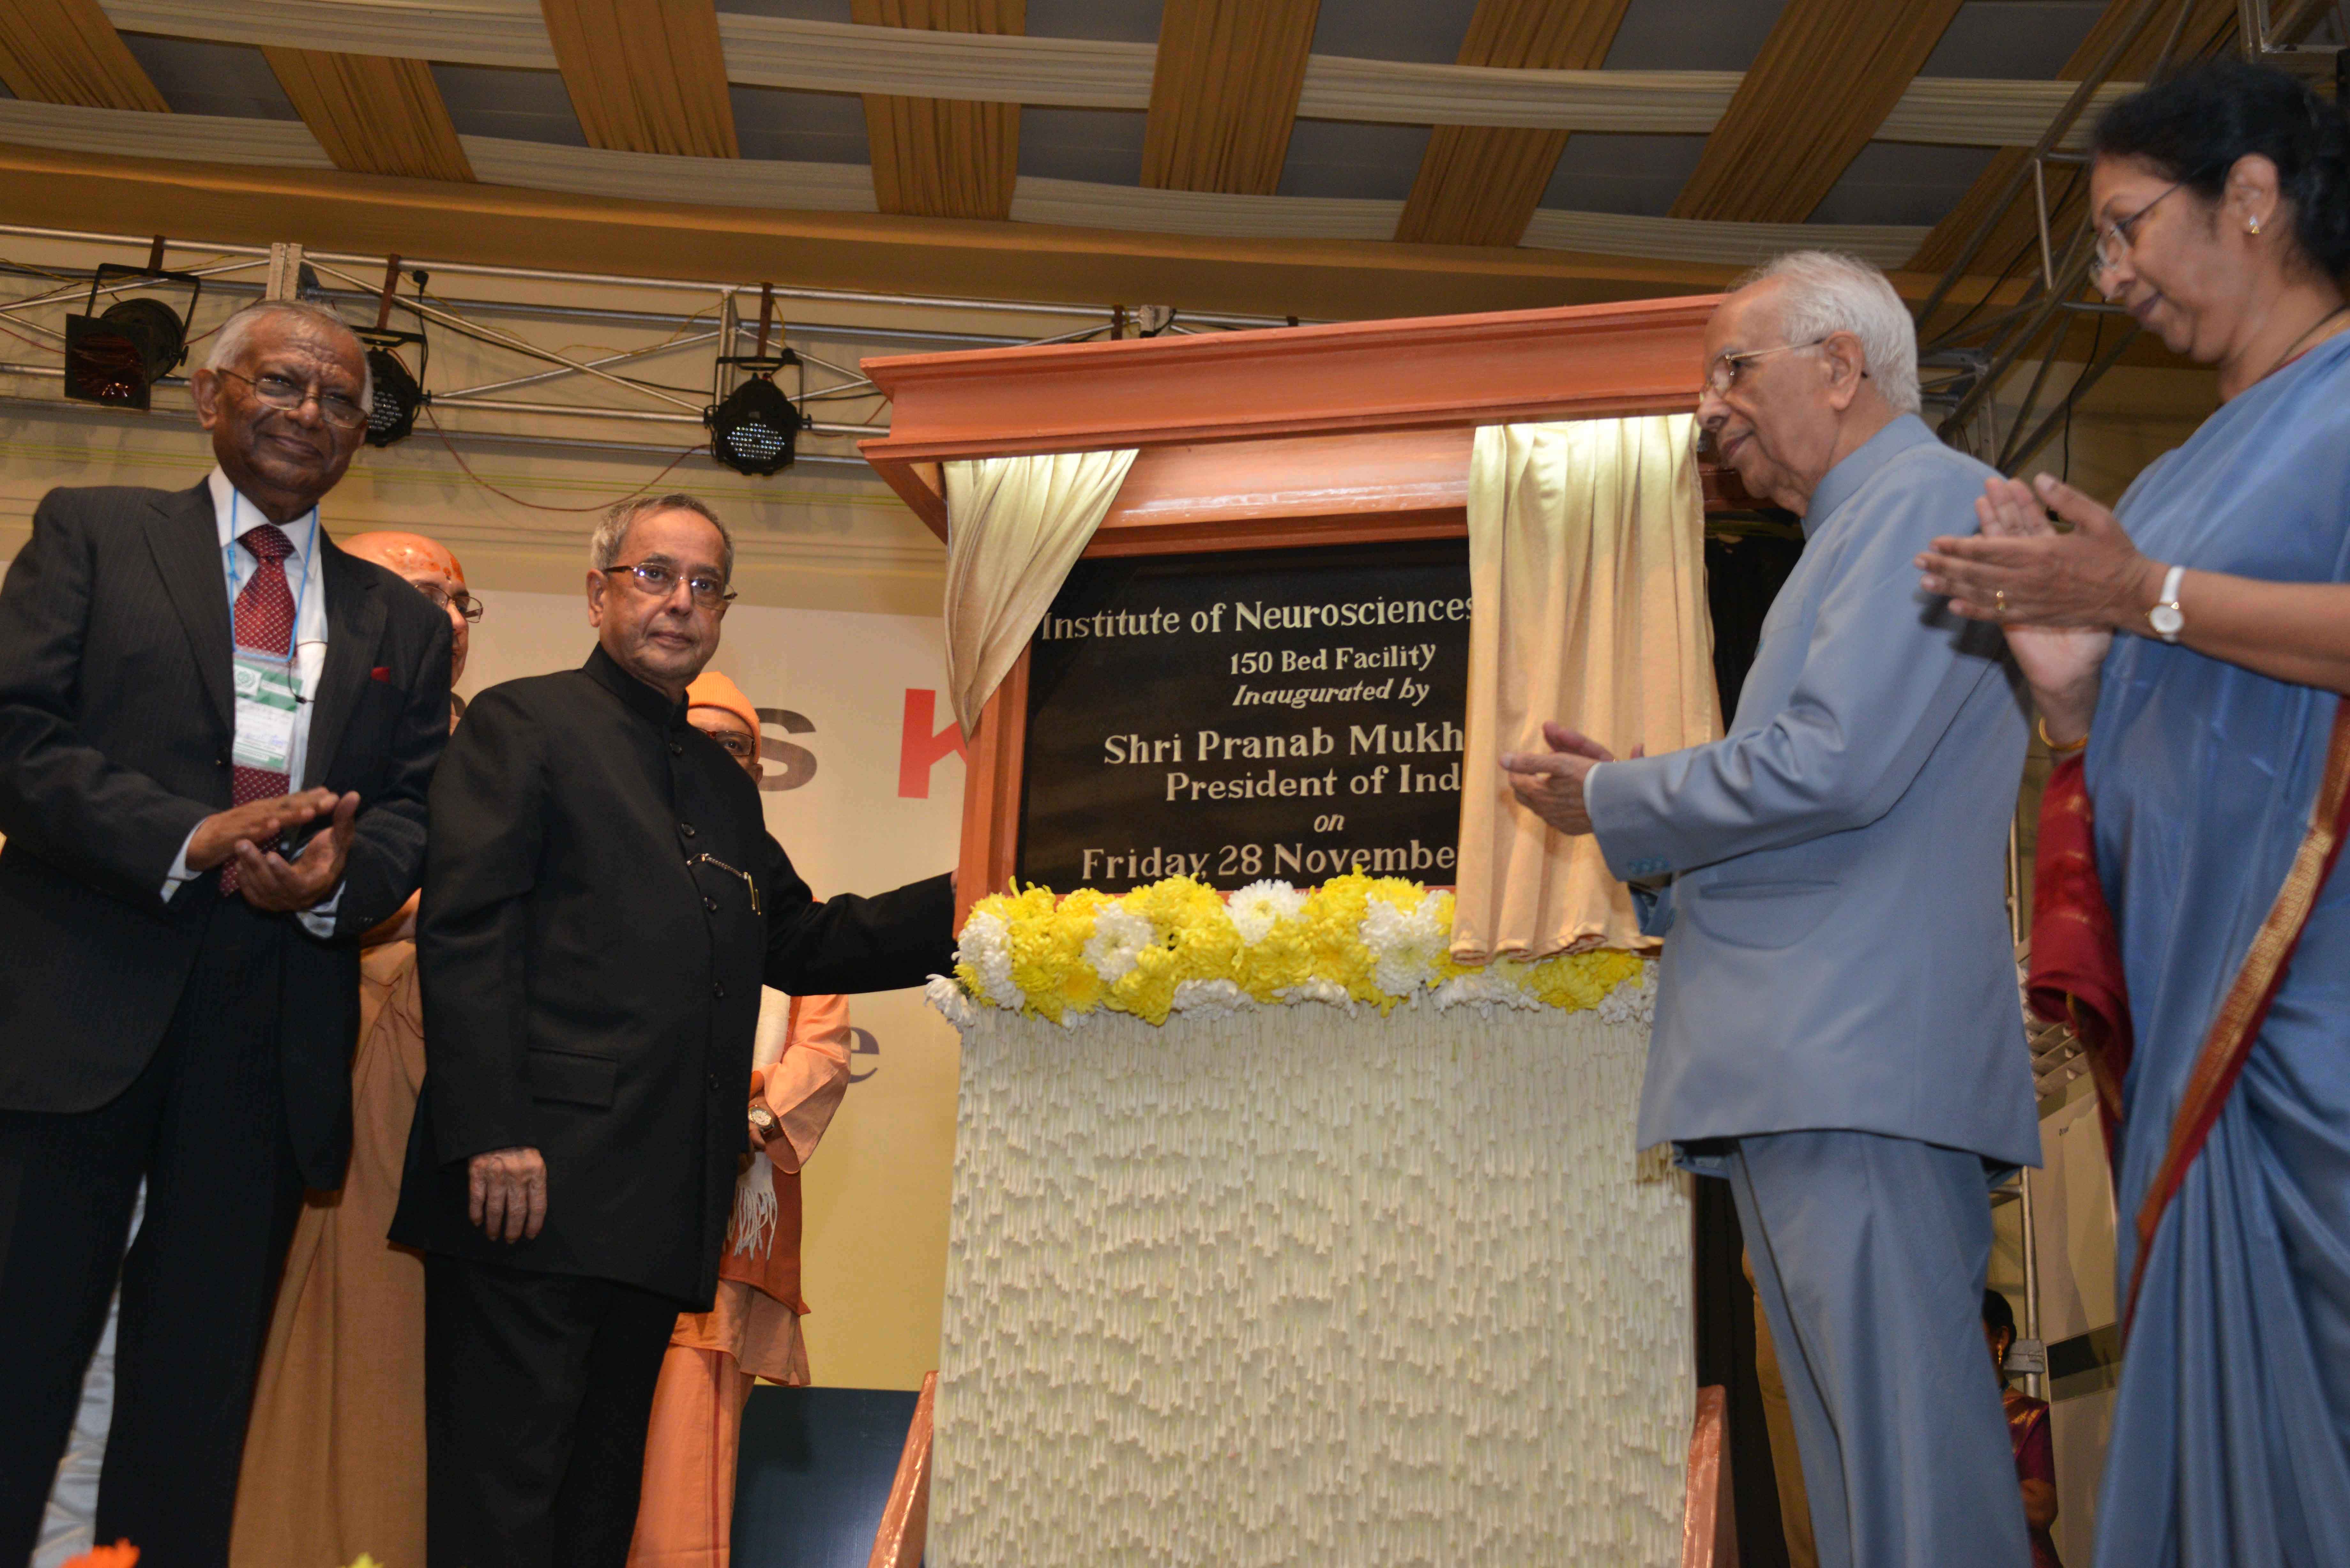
[{"x": 1998, "y": 601}]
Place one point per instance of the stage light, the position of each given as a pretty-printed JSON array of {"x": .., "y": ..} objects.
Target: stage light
[
  {"x": 756, "y": 429},
  {"x": 395, "y": 396},
  {"x": 116, "y": 357},
  {"x": 395, "y": 393}
]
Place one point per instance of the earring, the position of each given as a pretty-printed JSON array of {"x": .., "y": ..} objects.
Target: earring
[{"x": 2252, "y": 225}]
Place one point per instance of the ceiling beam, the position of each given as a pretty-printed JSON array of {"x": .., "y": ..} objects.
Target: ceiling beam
[
  {"x": 1479, "y": 185},
  {"x": 373, "y": 115},
  {"x": 943, "y": 157},
  {"x": 2209, "y": 26},
  {"x": 1224, "y": 94},
  {"x": 373, "y": 214},
  {"x": 645, "y": 76},
  {"x": 1826, "y": 77},
  {"x": 66, "y": 51}
]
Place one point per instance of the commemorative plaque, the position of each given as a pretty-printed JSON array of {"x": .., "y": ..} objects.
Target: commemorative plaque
[{"x": 1291, "y": 715}]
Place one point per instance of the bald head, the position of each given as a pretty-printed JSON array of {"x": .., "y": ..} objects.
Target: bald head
[{"x": 431, "y": 568}]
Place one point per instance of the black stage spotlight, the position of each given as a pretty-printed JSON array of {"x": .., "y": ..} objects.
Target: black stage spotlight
[
  {"x": 395, "y": 394},
  {"x": 755, "y": 428},
  {"x": 116, "y": 358}
]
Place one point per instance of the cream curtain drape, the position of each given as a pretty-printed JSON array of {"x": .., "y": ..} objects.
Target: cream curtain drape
[
  {"x": 1014, "y": 527},
  {"x": 1587, "y": 557}
]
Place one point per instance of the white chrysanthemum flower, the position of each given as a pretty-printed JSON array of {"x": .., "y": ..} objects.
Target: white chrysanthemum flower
[
  {"x": 1120, "y": 936},
  {"x": 1318, "y": 990},
  {"x": 986, "y": 946},
  {"x": 1484, "y": 991},
  {"x": 1256, "y": 908},
  {"x": 944, "y": 994},
  {"x": 1211, "y": 999},
  {"x": 1405, "y": 942},
  {"x": 1632, "y": 1001}
]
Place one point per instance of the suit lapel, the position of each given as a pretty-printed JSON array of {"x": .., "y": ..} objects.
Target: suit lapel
[
  {"x": 184, "y": 538},
  {"x": 354, "y": 629}
]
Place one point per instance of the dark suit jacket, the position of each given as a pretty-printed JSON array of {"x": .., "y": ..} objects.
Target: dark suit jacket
[
  {"x": 115, "y": 722},
  {"x": 591, "y": 989}
]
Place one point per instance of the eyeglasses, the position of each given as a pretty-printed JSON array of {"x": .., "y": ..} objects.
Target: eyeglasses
[
  {"x": 1723, "y": 373},
  {"x": 655, "y": 580},
  {"x": 2117, "y": 239},
  {"x": 340, "y": 409},
  {"x": 464, "y": 603}
]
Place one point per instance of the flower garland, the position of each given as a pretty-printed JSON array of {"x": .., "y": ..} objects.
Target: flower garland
[{"x": 1178, "y": 947}]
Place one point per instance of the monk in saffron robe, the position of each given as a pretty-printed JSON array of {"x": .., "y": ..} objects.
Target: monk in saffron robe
[
  {"x": 800, "y": 1072},
  {"x": 334, "y": 1457}
]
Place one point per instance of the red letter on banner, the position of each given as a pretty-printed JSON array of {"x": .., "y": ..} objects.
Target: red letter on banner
[{"x": 920, "y": 751}]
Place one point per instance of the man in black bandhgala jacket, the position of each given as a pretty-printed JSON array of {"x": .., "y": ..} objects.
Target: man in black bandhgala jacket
[{"x": 601, "y": 906}]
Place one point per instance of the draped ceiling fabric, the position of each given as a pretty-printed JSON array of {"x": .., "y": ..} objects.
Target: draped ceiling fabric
[
  {"x": 1586, "y": 560},
  {"x": 1014, "y": 527}
]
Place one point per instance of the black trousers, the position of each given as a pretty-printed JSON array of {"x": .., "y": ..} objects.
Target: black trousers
[
  {"x": 537, "y": 1391},
  {"x": 205, "y": 1125}
]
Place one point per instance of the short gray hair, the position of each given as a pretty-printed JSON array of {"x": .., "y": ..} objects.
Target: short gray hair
[
  {"x": 1829, "y": 292},
  {"x": 228, "y": 343},
  {"x": 604, "y": 545}
]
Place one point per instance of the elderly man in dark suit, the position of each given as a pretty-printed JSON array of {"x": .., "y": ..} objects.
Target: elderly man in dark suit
[
  {"x": 602, "y": 903},
  {"x": 178, "y": 982}
]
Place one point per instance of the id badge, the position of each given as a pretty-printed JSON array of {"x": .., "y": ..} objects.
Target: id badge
[{"x": 265, "y": 711}]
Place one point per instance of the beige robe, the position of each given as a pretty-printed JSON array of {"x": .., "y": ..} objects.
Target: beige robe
[
  {"x": 334, "y": 1459},
  {"x": 685, "y": 1517}
]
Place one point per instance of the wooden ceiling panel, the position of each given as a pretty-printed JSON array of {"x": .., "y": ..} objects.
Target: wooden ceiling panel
[
  {"x": 1224, "y": 94},
  {"x": 2209, "y": 28},
  {"x": 66, "y": 51},
  {"x": 372, "y": 114},
  {"x": 1827, "y": 76},
  {"x": 943, "y": 157},
  {"x": 645, "y": 76},
  {"x": 1479, "y": 185}
]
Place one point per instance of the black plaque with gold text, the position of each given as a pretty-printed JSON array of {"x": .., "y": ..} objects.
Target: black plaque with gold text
[{"x": 1290, "y": 713}]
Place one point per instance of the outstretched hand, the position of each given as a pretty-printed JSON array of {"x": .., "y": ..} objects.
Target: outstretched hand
[{"x": 1550, "y": 783}]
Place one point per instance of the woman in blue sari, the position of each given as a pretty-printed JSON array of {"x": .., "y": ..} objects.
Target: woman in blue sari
[{"x": 2197, "y": 640}]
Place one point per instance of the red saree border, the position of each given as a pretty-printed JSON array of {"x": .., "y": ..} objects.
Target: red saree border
[{"x": 2229, "y": 1045}]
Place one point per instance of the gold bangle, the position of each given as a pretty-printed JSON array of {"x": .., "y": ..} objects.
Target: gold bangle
[{"x": 2054, "y": 749}]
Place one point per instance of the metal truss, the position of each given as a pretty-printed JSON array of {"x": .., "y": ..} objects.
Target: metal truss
[
  {"x": 629, "y": 391},
  {"x": 2023, "y": 324}
]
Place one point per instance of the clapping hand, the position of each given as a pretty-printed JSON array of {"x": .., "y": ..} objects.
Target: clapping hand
[
  {"x": 2057, "y": 595},
  {"x": 267, "y": 880},
  {"x": 1550, "y": 783}
]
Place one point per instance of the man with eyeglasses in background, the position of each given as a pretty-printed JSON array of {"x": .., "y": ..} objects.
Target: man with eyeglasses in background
[
  {"x": 602, "y": 905},
  {"x": 190, "y": 682},
  {"x": 1837, "y": 1029}
]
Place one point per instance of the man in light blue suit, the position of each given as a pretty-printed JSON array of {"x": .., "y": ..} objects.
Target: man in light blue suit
[{"x": 1837, "y": 1030}]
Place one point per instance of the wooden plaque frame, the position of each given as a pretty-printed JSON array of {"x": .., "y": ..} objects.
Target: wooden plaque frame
[{"x": 1352, "y": 432}]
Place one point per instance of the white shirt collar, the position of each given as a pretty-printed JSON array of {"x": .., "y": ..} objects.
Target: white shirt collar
[{"x": 233, "y": 513}]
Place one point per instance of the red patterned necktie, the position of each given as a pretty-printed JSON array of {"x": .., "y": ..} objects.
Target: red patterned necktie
[{"x": 265, "y": 623}]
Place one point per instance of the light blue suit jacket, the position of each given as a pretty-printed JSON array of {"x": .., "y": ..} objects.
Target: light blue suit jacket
[{"x": 1839, "y": 955}]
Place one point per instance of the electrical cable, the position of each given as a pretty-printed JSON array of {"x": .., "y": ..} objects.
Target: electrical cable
[{"x": 433, "y": 419}]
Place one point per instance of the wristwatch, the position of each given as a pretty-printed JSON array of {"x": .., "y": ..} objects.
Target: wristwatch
[
  {"x": 763, "y": 1120},
  {"x": 2166, "y": 619}
]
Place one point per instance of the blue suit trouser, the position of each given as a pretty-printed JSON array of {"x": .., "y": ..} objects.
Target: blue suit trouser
[{"x": 1869, "y": 1255}]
